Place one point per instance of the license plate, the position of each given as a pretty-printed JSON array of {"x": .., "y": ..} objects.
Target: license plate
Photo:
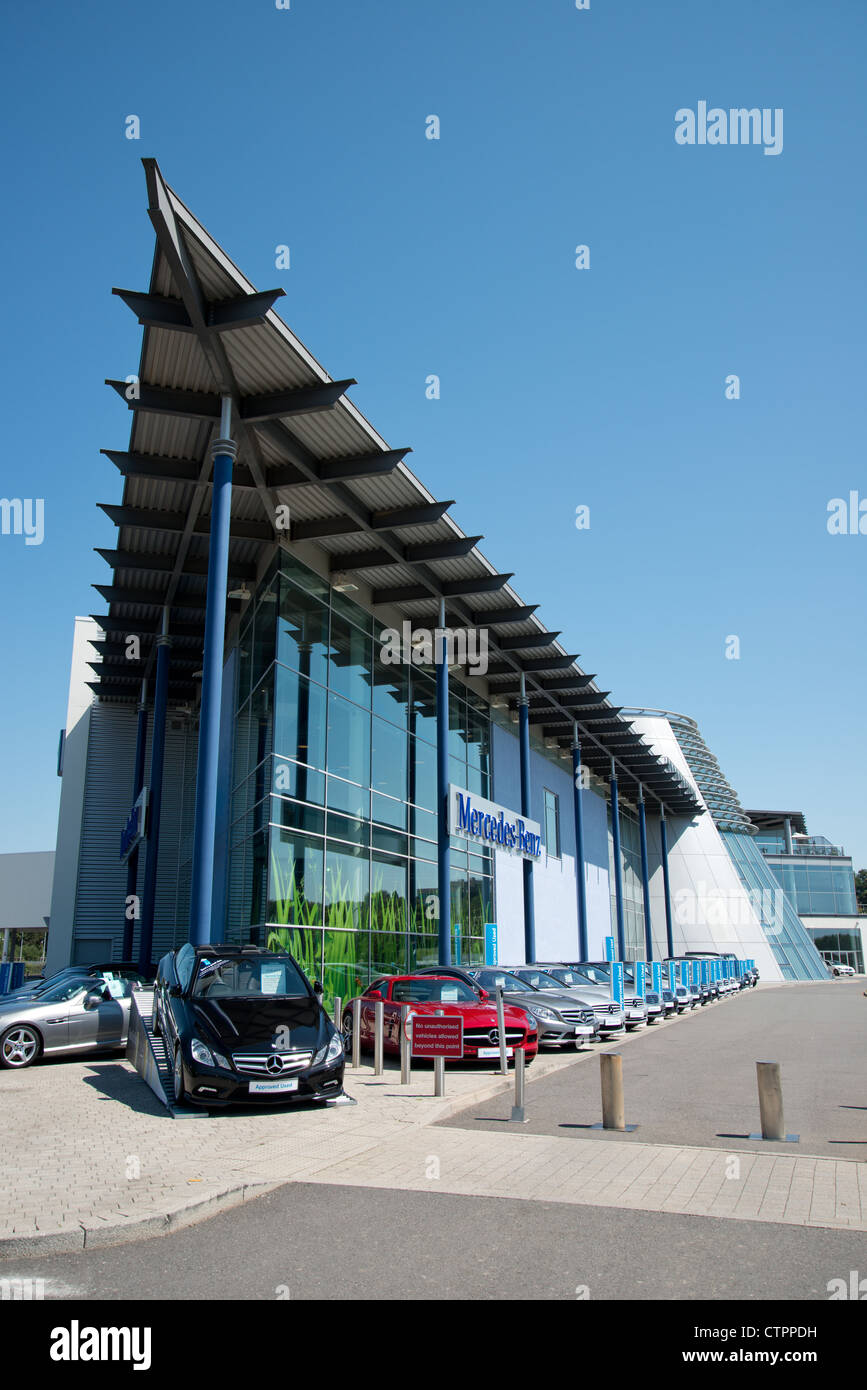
[
  {"x": 261, "y": 1088},
  {"x": 495, "y": 1052}
]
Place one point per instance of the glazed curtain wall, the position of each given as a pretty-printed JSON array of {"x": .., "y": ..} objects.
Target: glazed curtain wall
[
  {"x": 633, "y": 890},
  {"x": 334, "y": 826}
]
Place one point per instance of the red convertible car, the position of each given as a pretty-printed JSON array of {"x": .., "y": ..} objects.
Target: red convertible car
[{"x": 425, "y": 994}]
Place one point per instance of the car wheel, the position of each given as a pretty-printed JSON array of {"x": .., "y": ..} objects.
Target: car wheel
[
  {"x": 347, "y": 1033},
  {"x": 158, "y": 1027},
  {"x": 178, "y": 1077},
  {"x": 19, "y": 1046}
]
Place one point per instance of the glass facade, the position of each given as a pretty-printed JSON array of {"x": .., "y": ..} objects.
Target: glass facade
[
  {"x": 334, "y": 823},
  {"x": 817, "y": 888},
  {"x": 633, "y": 890},
  {"x": 839, "y": 947},
  {"x": 786, "y": 935}
]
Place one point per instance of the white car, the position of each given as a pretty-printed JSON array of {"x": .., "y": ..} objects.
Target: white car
[{"x": 842, "y": 970}]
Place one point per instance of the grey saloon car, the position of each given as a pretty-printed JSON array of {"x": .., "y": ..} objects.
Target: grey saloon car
[
  {"x": 73, "y": 1016},
  {"x": 561, "y": 1020}
]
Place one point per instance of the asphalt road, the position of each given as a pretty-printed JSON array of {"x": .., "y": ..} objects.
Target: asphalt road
[
  {"x": 312, "y": 1241},
  {"x": 693, "y": 1081}
]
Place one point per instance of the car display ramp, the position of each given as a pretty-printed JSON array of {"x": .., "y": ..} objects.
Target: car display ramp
[{"x": 147, "y": 1052}]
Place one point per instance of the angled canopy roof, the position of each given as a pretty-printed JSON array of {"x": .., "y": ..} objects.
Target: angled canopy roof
[{"x": 301, "y": 441}]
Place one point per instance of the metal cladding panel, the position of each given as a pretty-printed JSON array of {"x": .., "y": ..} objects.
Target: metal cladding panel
[
  {"x": 176, "y": 360},
  {"x": 101, "y": 888},
  {"x": 333, "y": 433},
  {"x": 169, "y": 436},
  {"x": 217, "y": 281},
  {"x": 262, "y": 361},
  {"x": 151, "y": 495}
]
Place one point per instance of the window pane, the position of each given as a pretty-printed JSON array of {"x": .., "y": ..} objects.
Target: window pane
[
  {"x": 348, "y": 741},
  {"x": 389, "y": 759},
  {"x": 423, "y": 899},
  {"x": 349, "y": 662},
  {"x": 424, "y": 706},
  {"x": 347, "y": 880},
  {"x": 345, "y": 970},
  {"x": 300, "y": 718},
  {"x": 302, "y": 633},
  {"x": 348, "y": 798},
  {"x": 295, "y": 880},
  {"x": 305, "y": 946},
  {"x": 391, "y": 692},
  {"x": 263, "y": 634}
]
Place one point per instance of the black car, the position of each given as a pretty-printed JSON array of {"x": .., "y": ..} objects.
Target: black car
[{"x": 243, "y": 1025}]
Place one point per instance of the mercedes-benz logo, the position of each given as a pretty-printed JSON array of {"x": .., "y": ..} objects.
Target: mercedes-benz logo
[
  {"x": 274, "y": 1065},
  {"x": 494, "y": 1036}
]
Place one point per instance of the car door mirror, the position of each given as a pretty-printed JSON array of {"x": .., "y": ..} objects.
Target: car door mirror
[
  {"x": 483, "y": 995},
  {"x": 93, "y": 998},
  {"x": 318, "y": 990},
  {"x": 175, "y": 992},
  {"x": 374, "y": 994}
]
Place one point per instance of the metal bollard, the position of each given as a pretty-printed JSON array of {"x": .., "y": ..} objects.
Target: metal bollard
[
  {"x": 378, "y": 1021},
  {"x": 518, "y": 1108},
  {"x": 439, "y": 1068},
  {"x": 356, "y": 1032},
  {"x": 613, "y": 1112},
  {"x": 338, "y": 1012},
  {"x": 771, "y": 1101},
  {"x": 501, "y": 1033},
  {"x": 405, "y": 1046}
]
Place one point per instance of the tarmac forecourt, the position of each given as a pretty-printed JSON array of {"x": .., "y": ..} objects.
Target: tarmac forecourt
[{"x": 93, "y": 1159}]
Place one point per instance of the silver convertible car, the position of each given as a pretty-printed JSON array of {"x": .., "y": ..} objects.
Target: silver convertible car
[{"x": 81, "y": 1014}]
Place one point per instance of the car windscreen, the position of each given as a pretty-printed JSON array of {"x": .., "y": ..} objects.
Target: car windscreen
[
  {"x": 65, "y": 989},
  {"x": 572, "y": 978},
  {"x": 432, "y": 991},
  {"x": 539, "y": 979},
  {"x": 227, "y": 977},
  {"x": 492, "y": 980},
  {"x": 596, "y": 973}
]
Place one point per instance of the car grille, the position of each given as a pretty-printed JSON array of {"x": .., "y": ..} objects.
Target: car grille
[
  {"x": 607, "y": 1009},
  {"x": 487, "y": 1037},
  {"x": 256, "y": 1063},
  {"x": 577, "y": 1015}
]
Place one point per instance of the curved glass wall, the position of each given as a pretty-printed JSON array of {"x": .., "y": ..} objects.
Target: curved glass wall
[
  {"x": 786, "y": 935},
  {"x": 334, "y": 824}
]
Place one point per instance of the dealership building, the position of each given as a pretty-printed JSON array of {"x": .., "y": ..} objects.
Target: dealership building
[{"x": 315, "y": 715}]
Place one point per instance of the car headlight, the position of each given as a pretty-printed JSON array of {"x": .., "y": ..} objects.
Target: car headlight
[
  {"x": 201, "y": 1053},
  {"x": 331, "y": 1052},
  {"x": 549, "y": 1014}
]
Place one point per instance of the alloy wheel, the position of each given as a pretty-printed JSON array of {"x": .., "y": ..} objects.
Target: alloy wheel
[{"x": 19, "y": 1046}]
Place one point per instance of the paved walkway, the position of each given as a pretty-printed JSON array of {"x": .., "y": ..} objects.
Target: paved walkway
[{"x": 89, "y": 1156}]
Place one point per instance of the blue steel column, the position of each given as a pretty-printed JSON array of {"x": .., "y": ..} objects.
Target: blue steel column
[
  {"x": 663, "y": 835},
  {"x": 618, "y": 868},
  {"x": 645, "y": 878},
  {"x": 443, "y": 848},
  {"x": 223, "y": 451},
  {"x": 579, "y": 845},
  {"x": 158, "y": 745},
  {"x": 529, "y": 897},
  {"x": 137, "y": 784}
]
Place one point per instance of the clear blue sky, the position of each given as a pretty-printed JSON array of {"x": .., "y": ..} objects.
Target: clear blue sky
[{"x": 559, "y": 387}]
